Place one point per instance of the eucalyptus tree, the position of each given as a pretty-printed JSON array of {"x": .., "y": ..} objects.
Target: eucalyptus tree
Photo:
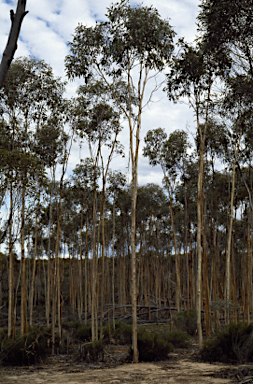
[
  {"x": 29, "y": 95},
  {"x": 11, "y": 167},
  {"x": 97, "y": 121},
  {"x": 49, "y": 142},
  {"x": 227, "y": 30},
  {"x": 84, "y": 182},
  {"x": 152, "y": 210},
  {"x": 134, "y": 43},
  {"x": 192, "y": 76},
  {"x": 117, "y": 181},
  {"x": 170, "y": 155},
  {"x": 237, "y": 109}
]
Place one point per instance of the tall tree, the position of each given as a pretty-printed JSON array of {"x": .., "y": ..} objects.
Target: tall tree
[
  {"x": 227, "y": 30},
  {"x": 29, "y": 96},
  {"x": 169, "y": 154},
  {"x": 192, "y": 75},
  {"x": 134, "y": 41}
]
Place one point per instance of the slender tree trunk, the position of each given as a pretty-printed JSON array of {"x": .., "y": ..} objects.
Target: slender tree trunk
[
  {"x": 103, "y": 259},
  {"x": 205, "y": 275},
  {"x": 228, "y": 256},
  {"x": 133, "y": 263},
  {"x": 113, "y": 266},
  {"x": 94, "y": 271},
  {"x": 86, "y": 269},
  {"x": 49, "y": 272},
  {"x": 57, "y": 261},
  {"x": 177, "y": 288},
  {"x": 11, "y": 277},
  {"x": 31, "y": 296},
  {"x": 24, "y": 325},
  {"x": 80, "y": 287},
  {"x": 199, "y": 250},
  {"x": 53, "y": 313}
]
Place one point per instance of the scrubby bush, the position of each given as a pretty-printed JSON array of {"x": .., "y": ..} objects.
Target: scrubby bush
[
  {"x": 122, "y": 334},
  {"x": 234, "y": 344},
  {"x": 71, "y": 325},
  {"x": 27, "y": 349},
  {"x": 152, "y": 346},
  {"x": 90, "y": 352},
  {"x": 186, "y": 322},
  {"x": 177, "y": 338},
  {"x": 83, "y": 333}
]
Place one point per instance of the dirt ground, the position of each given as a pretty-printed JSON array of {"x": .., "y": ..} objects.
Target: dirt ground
[{"x": 181, "y": 367}]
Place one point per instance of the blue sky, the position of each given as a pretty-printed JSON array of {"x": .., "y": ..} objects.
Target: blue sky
[{"x": 50, "y": 24}]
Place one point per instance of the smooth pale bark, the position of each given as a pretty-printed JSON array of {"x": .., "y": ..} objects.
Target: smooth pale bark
[
  {"x": 80, "y": 285},
  {"x": 49, "y": 266},
  {"x": 11, "y": 47},
  {"x": 228, "y": 255},
  {"x": 31, "y": 296},
  {"x": 133, "y": 266},
  {"x": 186, "y": 254},
  {"x": 134, "y": 154},
  {"x": 53, "y": 312},
  {"x": 94, "y": 267},
  {"x": 105, "y": 173},
  {"x": 205, "y": 276},
  {"x": 57, "y": 258},
  {"x": 178, "y": 290},
  {"x": 113, "y": 267},
  {"x": 199, "y": 250},
  {"x": 178, "y": 284},
  {"x": 23, "y": 312},
  {"x": 86, "y": 269},
  {"x": 103, "y": 264},
  {"x": 200, "y": 188},
  {"x": 11, "y": 276}
]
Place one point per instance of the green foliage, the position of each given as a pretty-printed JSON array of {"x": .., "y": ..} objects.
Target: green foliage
[
  {"x": 78, "y": 330},
  {"x": 26, "y": 349},
  {"x": 83, "y": 333},
  {"x": 235, "y": 344},
  {"x": 130, "y": 35},
  {"x": 90, "y": 352},
  {"x": 71, "y": 325},
  {"x": 153, "y": 346},
  {"x": 186, "y": 323},
  {"x": 177, "y": 338},
  {"x": 122, "y": 334}
]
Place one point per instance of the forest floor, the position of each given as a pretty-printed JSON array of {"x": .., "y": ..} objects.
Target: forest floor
[{"x": 182, "y": 367}]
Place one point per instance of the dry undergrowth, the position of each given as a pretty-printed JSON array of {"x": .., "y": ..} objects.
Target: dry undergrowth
[{"x": 181, "y": 367}]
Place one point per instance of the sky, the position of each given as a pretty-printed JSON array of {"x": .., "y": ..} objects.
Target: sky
[{"x": 50, "y": 25}]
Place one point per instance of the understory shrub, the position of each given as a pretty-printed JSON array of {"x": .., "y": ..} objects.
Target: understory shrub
[
  {"x": 234, "y": 344},
  {"x": 27, "y": 349},
  {"x": 82, "y": 333},
  {"x": 153, "y": 346},
  {"x": 177, "y": 338},
  {"x": 186, "y": 322},
  {"x": 122, "y": 334},
  {"x": 90, "y": 352},
  {"x": 71, "y": 325}
]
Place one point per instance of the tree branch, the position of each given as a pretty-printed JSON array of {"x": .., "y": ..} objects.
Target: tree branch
[{"x": 11, "y": 47}]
